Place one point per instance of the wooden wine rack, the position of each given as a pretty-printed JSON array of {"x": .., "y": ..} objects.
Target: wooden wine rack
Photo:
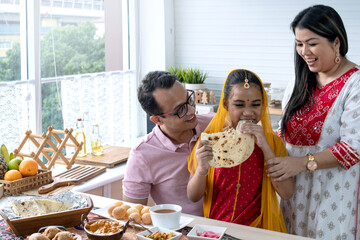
[{"x": 46, "y": 147}]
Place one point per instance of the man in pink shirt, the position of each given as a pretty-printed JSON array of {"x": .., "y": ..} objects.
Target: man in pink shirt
[{"x": 157, "y": 167}]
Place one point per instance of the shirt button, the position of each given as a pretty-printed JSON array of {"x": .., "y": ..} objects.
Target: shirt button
[{"x": 238, "y": 185}]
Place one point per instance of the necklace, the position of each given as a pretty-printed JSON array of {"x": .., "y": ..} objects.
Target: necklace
[{"x": 238, "y": 185}]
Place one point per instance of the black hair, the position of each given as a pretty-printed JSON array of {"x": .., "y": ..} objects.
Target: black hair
[
  {"x": 238, "y": 77},
  {"x": 326, "y": 22},
  {"x": 151, "y": 82}
]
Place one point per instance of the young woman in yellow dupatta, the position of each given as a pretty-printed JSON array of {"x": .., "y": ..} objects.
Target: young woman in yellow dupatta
[{"x": 242, "y": 194}]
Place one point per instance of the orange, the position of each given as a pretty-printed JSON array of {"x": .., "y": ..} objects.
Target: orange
[
  {"x": 28, "y": 167},
  {"x": 12, "y": 175}
]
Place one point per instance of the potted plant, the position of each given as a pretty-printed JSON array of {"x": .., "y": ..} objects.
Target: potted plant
[
  {"x": 179, "y": 72},
  {"x": 192, "y": 78}
]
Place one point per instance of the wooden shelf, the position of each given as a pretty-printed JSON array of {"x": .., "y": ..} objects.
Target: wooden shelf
[{"x": 275, "y": 111}]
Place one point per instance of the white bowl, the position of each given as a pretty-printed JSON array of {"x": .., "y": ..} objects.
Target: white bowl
[
  {"x": 166, "y": 215},
  {"x": 141, "y": 235},
  {"x": 202, "y": 228}
]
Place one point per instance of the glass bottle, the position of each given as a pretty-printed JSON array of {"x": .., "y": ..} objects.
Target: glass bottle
[
  {"x": 80, "y": 137},
  {"x": 96, "y": 147},
  {"x": 87, "y": 130}
]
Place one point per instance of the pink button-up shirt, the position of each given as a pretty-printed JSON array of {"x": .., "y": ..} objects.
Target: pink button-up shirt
[{"x": 158, "y": 167}]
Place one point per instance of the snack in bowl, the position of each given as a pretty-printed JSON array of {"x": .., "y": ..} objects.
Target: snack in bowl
[
  {"x": 103, "y": 229},
  {"x": 230, "y": 147},
  {"x": 206, "y": 232},
  {"x": 158, "y": 233}
]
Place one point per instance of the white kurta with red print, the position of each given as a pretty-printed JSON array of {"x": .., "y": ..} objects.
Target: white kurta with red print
[{"x": 325, "y": 204}]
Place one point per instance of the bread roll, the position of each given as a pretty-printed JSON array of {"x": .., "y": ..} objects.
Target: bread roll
[
  {"x": 119, "y": 212},
  {"x": 146, "y": 218},
  {"x": 38, "y": 236},
  {"x": 50, "y": 232}
]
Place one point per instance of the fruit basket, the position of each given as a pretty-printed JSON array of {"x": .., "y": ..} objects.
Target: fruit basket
[
  {"x": 21, "y": 185},
  {"x": 29, "y": 225}
]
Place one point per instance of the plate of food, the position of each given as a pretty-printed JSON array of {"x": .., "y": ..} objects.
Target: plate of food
[{"x": 122, "y": 211}]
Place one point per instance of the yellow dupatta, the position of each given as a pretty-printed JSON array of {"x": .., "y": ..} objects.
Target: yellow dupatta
[{"x": 270, "y": 217}]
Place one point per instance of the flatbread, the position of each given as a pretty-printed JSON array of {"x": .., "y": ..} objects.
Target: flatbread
[
  {"x": 37, "y": 207},
  {"x": 230, "y": 147}
]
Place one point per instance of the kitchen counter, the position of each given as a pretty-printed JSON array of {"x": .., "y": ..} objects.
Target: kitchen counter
[{"x": 103, "y": 180}]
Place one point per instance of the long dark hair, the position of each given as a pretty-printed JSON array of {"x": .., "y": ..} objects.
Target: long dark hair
[{"x": 326, "y": 22}]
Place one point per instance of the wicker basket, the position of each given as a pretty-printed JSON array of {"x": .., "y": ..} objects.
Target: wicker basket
[{"x": 21, "y": 185}]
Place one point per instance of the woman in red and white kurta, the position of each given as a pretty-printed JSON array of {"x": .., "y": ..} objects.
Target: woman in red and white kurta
[{"x": 321, "y": 127}]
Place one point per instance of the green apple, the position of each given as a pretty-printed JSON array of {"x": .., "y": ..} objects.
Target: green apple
[{"x": 14, "y": 163}]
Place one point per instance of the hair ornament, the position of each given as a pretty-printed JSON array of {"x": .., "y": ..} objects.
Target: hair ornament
[{"x": 246, "y": 84}]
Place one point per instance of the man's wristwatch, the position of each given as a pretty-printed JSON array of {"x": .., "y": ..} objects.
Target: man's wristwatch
[{"x": 311, "y": 164}]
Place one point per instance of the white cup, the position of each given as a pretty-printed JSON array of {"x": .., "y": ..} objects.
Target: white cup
[{"x": 166, "y": 215}]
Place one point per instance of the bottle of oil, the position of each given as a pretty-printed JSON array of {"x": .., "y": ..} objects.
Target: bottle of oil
[
  {"x": 80, "y": 137},
  {"x": 96, "y": 147}
]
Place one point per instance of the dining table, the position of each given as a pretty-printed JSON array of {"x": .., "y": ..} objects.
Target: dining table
[{"x": 233, "y": 231}]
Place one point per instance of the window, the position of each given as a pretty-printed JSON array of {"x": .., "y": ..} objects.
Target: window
[{"x": 68, "y": 46}]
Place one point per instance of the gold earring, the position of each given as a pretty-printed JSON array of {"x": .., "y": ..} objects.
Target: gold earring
[
  {"x": 246, "y": 84},
  {"x": 337, "y": 58}
]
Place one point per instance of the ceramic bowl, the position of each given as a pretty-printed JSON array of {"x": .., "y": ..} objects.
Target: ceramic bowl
[
  {"x": 142, "y": 235},
  {"x": 199, "y": 229},
  {"x": 166, "y": 215},
  {"x": 111, "y": 236}
]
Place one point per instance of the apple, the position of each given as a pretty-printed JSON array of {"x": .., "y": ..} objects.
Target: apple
[{"x": 14, "y": 163}]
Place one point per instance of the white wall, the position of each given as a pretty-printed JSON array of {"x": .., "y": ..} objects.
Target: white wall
[{"x": 221, "y": 35}]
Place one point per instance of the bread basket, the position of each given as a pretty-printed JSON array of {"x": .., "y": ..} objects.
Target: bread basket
[{"x": 29, "y": 225}]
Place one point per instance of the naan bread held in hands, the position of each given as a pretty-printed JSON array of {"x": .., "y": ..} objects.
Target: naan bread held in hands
[{"x": 230, "y": 148}]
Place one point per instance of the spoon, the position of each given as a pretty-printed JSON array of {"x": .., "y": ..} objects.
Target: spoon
[{"x": 133, "y": 220}]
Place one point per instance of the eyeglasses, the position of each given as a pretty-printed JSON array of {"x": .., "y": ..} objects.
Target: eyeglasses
[{"x": 183, "y": 108}]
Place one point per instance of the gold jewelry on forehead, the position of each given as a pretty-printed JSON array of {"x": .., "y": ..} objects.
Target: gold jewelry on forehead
[{"x": 246, "y": 84}]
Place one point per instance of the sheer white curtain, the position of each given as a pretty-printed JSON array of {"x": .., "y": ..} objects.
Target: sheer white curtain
[
  {"x": 105, "y": 98},
  {"x": 14, "y": 113}
]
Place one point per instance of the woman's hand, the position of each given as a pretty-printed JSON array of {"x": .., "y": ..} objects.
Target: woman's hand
[
  {"x": 203, "y": 154},
  {"x": 281, "y": 168}
]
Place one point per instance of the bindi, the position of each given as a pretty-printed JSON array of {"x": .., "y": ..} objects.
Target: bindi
[{"x": 248, "y": 100}]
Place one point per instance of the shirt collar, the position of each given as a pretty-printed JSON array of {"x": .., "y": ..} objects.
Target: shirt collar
[{"x": 169, "y": 144}]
